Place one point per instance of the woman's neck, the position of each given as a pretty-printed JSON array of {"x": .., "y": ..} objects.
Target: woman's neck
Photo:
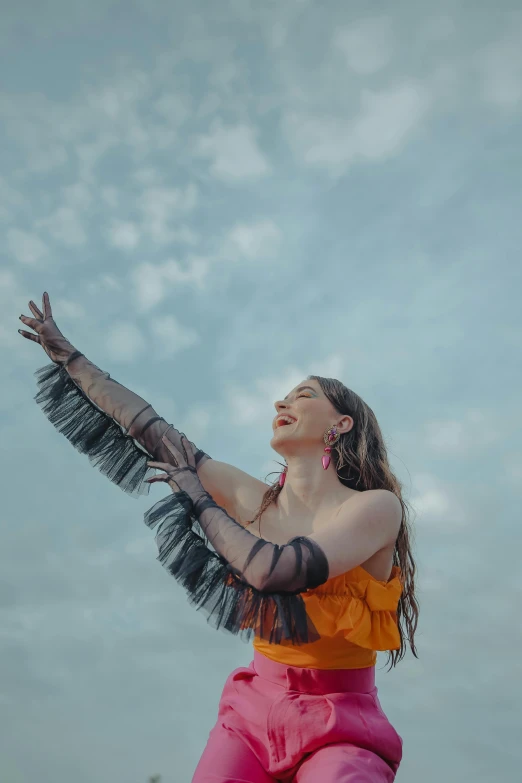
[{"x": 309, "y": 489}]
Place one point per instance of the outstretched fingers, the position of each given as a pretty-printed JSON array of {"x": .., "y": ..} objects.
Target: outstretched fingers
[
  {"x": 183, "y": 456},
  {"x": 32, "y": 322},
  {"x": 46, "y": 306},
  {"x": 167, "y": 476},
  {"x": 153, "y": 479},
  {"x": 29, "y": 336},
  {"x": 163, "y": 477},
  {"x": 159, "y": 465},
  {"x": 35, "y": 311},
  {"x": 176, "y": 455}
]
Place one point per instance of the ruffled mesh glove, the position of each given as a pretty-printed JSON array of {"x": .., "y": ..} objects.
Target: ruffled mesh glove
[
  {"x": 245, "y": 583},
  {"x": 116, "y": 428},
  {"x": 55, "y": 345}
]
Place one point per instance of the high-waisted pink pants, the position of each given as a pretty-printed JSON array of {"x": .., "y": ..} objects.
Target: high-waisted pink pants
[{"x": 282, "y": 723}]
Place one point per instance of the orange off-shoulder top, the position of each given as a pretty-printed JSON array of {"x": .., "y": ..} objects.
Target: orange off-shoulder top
[{"x": 355, "y": 615}]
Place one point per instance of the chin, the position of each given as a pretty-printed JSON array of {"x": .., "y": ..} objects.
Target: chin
[
  {"x": 275, "y": 440},
  {"x": 276, "y": 443},
  {"x": 273, "y": 445}
]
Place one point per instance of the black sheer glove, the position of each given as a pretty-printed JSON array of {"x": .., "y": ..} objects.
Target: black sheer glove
[
  {"x": 135, "y": 415},
  {"x": 246, "y": 582},
  {"x": 55, "y": 345},
  {"x": 116, "y": 428}
]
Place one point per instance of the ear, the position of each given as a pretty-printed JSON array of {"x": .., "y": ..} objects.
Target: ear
[{"x": 345, "y": 425}]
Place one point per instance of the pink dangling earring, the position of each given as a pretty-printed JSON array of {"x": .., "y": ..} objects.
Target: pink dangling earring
[
  {"x": 331, "y": 436},
  {"x": 282, "y": 477}
]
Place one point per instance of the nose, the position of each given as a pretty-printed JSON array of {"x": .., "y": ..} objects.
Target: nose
[{"x": 280, "y": 406}]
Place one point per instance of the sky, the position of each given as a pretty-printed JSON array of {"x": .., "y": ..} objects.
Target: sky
[{"x": 221, "y": 199}]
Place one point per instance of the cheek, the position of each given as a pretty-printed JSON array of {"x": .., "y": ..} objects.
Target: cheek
[{"x": 314, "y": 421}]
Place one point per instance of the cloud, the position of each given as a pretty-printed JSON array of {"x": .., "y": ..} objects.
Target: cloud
[
  {"x": 89, "y": 153},
  {"x": 26, "y": 247},
  {"x": 386, "y": 120},
  {"x": 185, "y": 235},
  {"x": 117, "y": 100},
  {"x": 66, "y": 223},
  {"x": 152, "y": 282},
  {"x": 474, "y": 431},
  {"x": 67, "y": 309},
  {"x": 8, "y": 284},
  {"x": 256, "y": 240},
  {"x": 124, "y": 235},
  {"x": 173, "y": 107},
  {"x": 12, "y": 304},
  {"x": 147, "y": 176},
  {"x": 512, "y": 471},
  {"x": 500, "y": 67},
  {"x": 195, "y": 422},
  {"x": 388, "y": 117},
  {"x": 169, "y": 336},
  {"x": 110, "y": 196},
  {"x": 436, "y": 504},
  {"x": 234, "y": 152},
  {"x": 11, "y": 200},
  {"x": 66, "y": 226},
  {"x": 277, "y": 34},
  {"x": 102, "y": 283},
  {"x": 125, "y": 342},
  {"x": 8, "y": 336},
  {"x": 148, "y": 286},
  {"x": 161, "y": 207},
  {"x": 436, "y": 28},
  {"x": 78, "y": 195},
  {"x": 366, "y": 45},
  {"x": 160, "y": 222}
]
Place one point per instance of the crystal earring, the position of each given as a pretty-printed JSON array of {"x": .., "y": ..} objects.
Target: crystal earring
[
  {"x": 282, "y": 477},
  {"x": 331, "y": 436}
]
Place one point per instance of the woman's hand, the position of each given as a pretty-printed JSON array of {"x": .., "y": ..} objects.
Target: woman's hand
[
  {"x": 180, "y": 461},
  {"x": 168, "y": 477},
  {"x": 55, "y": 345}
]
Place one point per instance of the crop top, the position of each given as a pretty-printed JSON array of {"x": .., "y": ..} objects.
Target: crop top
[
  {"x": 278, "y": 595},
  {"x": 354, "y": 614}
]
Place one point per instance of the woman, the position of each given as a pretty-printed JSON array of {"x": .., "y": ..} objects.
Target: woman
[{"x": 326, "y": 582}]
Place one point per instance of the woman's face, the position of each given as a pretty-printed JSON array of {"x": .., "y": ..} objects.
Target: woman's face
[{"x": 312, "y": 414}]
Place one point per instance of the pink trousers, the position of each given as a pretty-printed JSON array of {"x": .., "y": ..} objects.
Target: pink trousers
[{"x": 282, "y": 723}]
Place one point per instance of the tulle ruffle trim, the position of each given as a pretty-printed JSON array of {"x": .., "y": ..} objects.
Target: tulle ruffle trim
[
  {"x": 214, "y": 587},
  {"x": 211, "y": 583},
  {"x": 92, "y": 431}
]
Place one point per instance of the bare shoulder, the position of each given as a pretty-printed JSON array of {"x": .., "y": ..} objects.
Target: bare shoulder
[
  {"x": 233, "y": 489},
  {"x": 380, "y": 563},
  {"x": 383, "y": 498},
  {"x": 364, "y": 533},
  {"x": 379, "y": 507}
]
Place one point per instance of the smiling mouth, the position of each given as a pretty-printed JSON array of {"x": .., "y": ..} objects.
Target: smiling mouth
[{"x": 283, "y": 423}]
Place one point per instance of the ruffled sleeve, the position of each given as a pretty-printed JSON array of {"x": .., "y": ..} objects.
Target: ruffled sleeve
[
  {"x": 117, "y": 430},
  {"x": 212, "y": 565},
  {"x": 370, "y": 618}
]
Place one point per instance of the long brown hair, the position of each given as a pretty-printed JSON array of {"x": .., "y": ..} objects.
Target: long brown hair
[{"x": 361, "y": 461}]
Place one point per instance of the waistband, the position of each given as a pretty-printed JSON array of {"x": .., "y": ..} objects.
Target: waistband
[{"x": 319, "y": 681}]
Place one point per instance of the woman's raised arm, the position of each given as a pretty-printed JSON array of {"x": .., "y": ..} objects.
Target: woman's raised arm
[{"x": 116, "y": 428}]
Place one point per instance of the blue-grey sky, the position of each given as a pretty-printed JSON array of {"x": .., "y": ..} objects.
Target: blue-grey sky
[{"x": 222, "y": 198}]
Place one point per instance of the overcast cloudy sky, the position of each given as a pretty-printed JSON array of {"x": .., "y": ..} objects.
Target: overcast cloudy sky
[{"x": 222, "y": 198}]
